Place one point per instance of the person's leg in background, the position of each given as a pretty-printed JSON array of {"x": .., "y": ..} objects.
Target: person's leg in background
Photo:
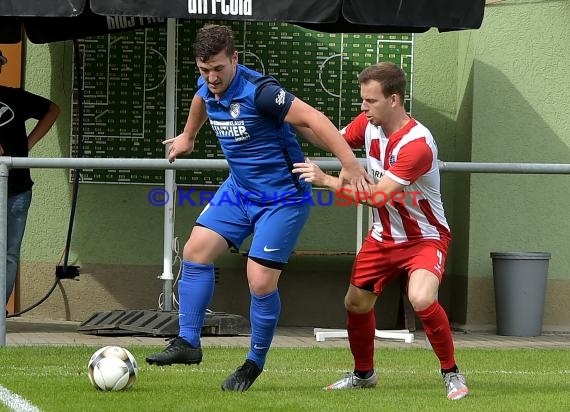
[{"x": 18, "y": 206}]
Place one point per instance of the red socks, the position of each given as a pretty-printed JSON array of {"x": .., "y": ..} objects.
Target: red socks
[
  {"x": 361, "y": 329},
  {"x": 438, "y": 331}
]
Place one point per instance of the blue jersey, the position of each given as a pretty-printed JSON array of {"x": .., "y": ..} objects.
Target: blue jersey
[{"x": 259, "y": 146}]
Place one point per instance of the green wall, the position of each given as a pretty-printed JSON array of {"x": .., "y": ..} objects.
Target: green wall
[{"x": 520, "y": 114}]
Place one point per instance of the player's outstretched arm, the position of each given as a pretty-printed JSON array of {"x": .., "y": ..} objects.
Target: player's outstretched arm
[
  {"x": 378, "y": 194},
  {"x": 309, "y": 136},
  {"x": 183, "y": 144},
  {"x": 323, "y": 133},
  {"x": 312, "y": 173}
]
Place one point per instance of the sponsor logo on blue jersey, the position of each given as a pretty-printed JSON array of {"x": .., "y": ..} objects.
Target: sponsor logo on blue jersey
[{"x": 230, "y": 128}]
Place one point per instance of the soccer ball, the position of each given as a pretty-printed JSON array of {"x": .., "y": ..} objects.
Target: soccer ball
[{"x": 112, "y": 368}]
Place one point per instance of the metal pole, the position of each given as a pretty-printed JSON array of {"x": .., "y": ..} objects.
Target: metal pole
[
  {"x": 522, "y": 168},
  {"x": 3, "y": 246},
  {"x": 169, "y": 174},
  {"x": 221, "y": 164},
  {"x": 359, "y": 214},
  {"x": 114, "y": 163}
]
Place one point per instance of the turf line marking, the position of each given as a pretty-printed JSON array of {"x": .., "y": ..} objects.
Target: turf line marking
[{"x": 16, "y": 402}]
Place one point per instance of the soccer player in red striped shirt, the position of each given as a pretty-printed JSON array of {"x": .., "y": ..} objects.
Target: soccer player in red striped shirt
[{"x": 409, "y": 234}]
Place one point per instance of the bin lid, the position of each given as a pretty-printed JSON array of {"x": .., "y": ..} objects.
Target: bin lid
[{"x": 521, "y": 255}]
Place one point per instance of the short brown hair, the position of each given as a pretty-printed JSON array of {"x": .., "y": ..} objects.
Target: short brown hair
[
  {"x": 212, "y": 39},
  {"x": 389, "y": 75}
]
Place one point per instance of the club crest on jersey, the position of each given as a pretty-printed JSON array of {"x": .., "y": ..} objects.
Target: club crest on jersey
[
  {"x": 234, "y": 110},
  {"x": 392, "y": 160}
]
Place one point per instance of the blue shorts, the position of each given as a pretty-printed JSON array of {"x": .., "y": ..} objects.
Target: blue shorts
[{"x": 276, "y": 226}]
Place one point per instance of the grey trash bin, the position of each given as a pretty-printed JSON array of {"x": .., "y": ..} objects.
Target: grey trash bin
[{"x": 520, "y": 288}]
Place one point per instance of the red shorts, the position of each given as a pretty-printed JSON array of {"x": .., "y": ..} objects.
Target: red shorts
[{"x": 379, "y": 263}]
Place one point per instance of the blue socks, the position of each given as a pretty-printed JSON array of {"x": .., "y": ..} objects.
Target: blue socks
[
  {"x": 195, "y": 290},
  {"x": 264, "y": 315}
]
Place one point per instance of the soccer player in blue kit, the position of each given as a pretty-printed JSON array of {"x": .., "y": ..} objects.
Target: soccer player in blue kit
[{"x": 254, "y": 118}]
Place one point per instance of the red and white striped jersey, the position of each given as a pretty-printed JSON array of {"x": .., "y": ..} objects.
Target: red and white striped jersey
[{"x": 409, "y": 157}]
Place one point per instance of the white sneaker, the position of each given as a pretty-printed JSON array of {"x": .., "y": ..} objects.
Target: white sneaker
[
  {"x": 351, "y": 381},
  {"x": 455, "y": 386}
]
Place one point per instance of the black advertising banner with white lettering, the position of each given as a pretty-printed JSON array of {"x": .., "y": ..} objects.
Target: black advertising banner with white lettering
[
  {"x": 310, "y": 11},
  {"x": 443, "y": 14},
  {"x": 52, "y": 20}
]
